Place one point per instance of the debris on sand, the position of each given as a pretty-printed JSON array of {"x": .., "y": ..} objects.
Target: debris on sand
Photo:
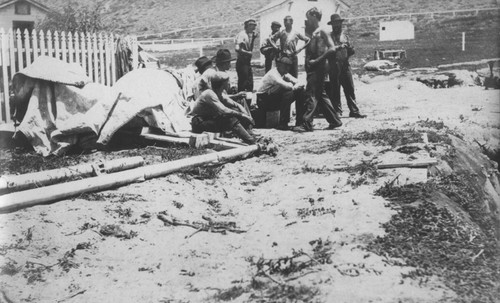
[{"x": 116, "y": 231}]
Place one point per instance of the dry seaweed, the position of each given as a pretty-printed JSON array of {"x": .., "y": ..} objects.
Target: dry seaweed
[{"x": 438, "y": 243}]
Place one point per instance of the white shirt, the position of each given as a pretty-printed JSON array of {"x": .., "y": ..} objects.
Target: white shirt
[{"x": 273, "y": 81}]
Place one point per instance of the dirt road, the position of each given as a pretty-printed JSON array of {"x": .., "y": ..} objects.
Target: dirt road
[{"x": 306, "y": 224}]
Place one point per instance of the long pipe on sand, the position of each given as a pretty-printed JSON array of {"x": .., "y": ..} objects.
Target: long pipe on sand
[
  {"x": 47, "y": 177},
  {"x": 19, "y": 200}
]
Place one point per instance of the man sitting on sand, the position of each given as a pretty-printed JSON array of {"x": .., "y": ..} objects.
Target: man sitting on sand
[
  {"x": 211, "y": 115},
  {"x": 279, "y": 90}
]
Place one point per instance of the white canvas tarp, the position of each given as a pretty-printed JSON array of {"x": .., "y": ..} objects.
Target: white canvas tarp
[{"x": 62, "y": 105}]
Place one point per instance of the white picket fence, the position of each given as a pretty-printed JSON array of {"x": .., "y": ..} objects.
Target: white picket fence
[{"x": 94, "y": 52}]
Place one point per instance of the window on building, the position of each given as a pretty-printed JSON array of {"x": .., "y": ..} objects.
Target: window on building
[
  {"x": 22, "y": 8},
  {"x": 22, "y": 25},
  {"x": 383, "y": 28}
]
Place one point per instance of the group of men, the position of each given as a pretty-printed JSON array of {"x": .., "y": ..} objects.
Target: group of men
[{"x": 326, "y": 64}]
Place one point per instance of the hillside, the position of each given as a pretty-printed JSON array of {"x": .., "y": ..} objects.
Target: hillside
[{"x": 153, "y": 16}]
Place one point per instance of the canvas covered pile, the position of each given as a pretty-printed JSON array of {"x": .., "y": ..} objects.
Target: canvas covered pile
[{"x": 58, "y": 104}]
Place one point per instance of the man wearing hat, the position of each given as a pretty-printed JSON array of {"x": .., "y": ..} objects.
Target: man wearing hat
[
  {"x": 340, "y": 70},
  {"x": 288, "y": 40},
  {"x": 268, "y": 48},
  {"x": 201, "y": 64},
  {"x": 244, "y": 47},
  {"x": 279, "y": 90},
  {"x": 223, "y": 63},
  {"x": 318, "y": 50},
  {"x": 211, "y": 115}
]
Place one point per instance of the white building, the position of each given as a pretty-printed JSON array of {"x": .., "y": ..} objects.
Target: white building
[
  {"x": 396, "y": 30},
  {"x": 279, "y": 9},
  {"x": 22, "y": 14}
]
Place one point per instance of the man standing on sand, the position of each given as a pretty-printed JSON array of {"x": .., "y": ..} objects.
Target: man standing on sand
[
  {"x": 340, "y": 70},
  {"x": 288, "y": 39},
  {"x": 268, "y": 50},
  {"x": 319, "y": 48},
  {"x": 244, "y": 47}
]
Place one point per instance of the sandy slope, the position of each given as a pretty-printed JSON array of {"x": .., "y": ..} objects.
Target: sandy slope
[{"x": 262, "y": 195}]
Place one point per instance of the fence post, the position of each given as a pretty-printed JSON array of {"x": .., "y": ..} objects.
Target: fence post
[
  {"x": 57, "y": 45},
  {"x": 71, "y": 59},
  {"x": 34, "y": 36},
  {"x": 89, "y": 56},
  {"x": 463, "y": 41},
  {"x": 5, "y": 83},
  {"x": 19, "y": 47},
  {"x": 12, "y": 52},
  {"x": 64, "y": 47},
  {"x": 113, "y": 59},
  {"x": 49, "y": 43},
  {"x": 102, "y": 75},
  {"x": 83, "y": 52},
  {"x": 94, "y": 56},
  {"x": 43, "y": 44},
  {"x": 27, "y": 45}
]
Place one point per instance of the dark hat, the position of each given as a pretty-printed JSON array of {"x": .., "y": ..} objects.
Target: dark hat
[
  {"x": 285, "y": 60},
  {"x": 275, "y": 23},
  {"x": 223, "y": 55},
  {"x": 250, "y": 22},
  {"x": 335, "y": 18},
  {"x": 201, "y": 62},
  {"x": 314, "y": 11},
  {"x": 219, "y": 77}
]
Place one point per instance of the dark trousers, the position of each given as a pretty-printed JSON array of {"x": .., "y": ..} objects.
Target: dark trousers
[
  {"x": 282, "y": 101},
  {"x": 213, "y": 124},
  {"x": 317, "y": 97},
  {"x": 245, "y": 75},
  {"x": 221, "y": 124},
  {"x": 341, "y": 77},
  {"x": 294, "y": 69},
  {"x": 268, "y": 64}
]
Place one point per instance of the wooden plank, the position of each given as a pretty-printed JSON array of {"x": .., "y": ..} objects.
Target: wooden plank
[{"x": 413, "y": 164}]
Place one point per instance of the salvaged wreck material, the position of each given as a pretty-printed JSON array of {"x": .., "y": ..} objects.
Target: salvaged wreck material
[
  {"x": 19, "y": 200},
  {"x": 43, "y": 178}
]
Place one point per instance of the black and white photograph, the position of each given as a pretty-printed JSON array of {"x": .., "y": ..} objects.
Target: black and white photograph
[{"x": 281, "y": 151}]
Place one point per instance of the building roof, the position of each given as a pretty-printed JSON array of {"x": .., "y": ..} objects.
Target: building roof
[
  {"x": 278, "y": 3},
  {"x": 34, "y": 3}
]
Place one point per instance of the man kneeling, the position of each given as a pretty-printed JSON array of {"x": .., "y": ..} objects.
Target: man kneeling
[
  {"x": 279, "y": 90},
  {"x": 211, "y": 115}
]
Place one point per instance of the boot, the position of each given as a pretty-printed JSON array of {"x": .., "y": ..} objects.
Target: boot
[{"x": 240, "y": 131}]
